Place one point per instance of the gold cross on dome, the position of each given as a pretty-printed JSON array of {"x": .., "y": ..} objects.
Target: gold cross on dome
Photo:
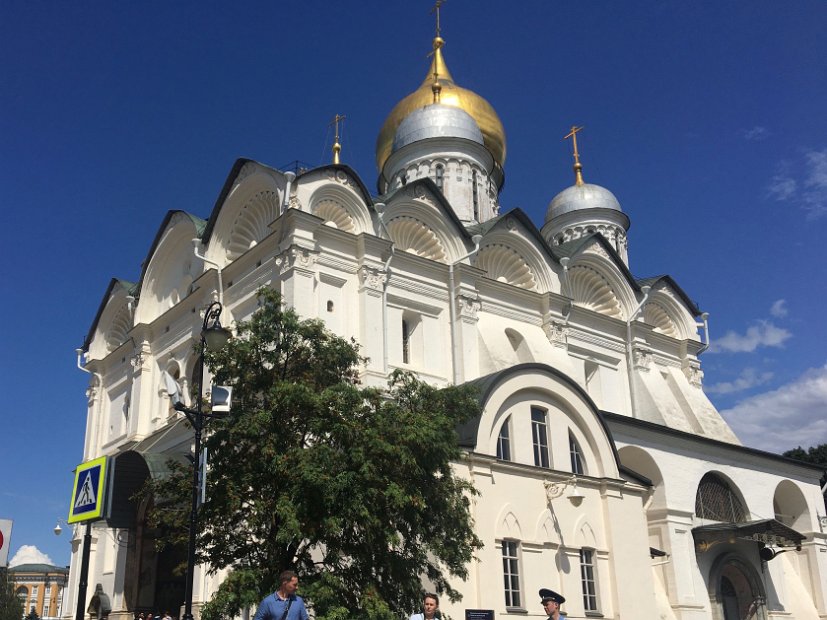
[
  {"x": 339, "y": 118},
  {"x": 573, "y": 135},
  {"x": 578, "y": 167},
  {"x": 435, "y": 9}
]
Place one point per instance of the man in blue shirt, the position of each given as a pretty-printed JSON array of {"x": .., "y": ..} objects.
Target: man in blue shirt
[{"x": 284, "y": 603}]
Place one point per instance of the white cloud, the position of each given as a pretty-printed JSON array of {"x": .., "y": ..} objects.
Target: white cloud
[
  {"x": 779, "y": 309},
  {"x": 762, "y": 334},
  {"x": 29, "y": 554},
  {"x": 807, "y": 188},
  {"x": 790, "y": 416},
  {"x": 749, "y": 378},
  {"x": 756, "y": 134},
  {"x": 782, "y": 186},
  {"x": 815, "y": 196}
]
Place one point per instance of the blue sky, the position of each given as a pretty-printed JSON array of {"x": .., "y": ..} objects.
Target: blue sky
[{"x": 705, "y": 119}]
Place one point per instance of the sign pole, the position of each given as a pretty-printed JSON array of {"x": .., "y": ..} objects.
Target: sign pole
[{"x": 83, "y": 578}]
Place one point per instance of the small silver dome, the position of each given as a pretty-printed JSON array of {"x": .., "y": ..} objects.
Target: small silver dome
[
  {"x": 436, "y": 121},
  {"x": 578, "y": 197}
]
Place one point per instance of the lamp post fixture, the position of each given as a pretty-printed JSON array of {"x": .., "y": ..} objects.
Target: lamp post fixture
[{"x": 213, "y": 338}]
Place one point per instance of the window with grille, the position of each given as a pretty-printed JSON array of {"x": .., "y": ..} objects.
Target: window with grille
[
  {"x": 588, "y": 582},
  {"x": 576, "y": 455},
  {"x": 511, "y": 573},
  {"x": 717, "y": 501},
  {"x": 504, "y": 441},
  {"x": 539, "y": 435}
]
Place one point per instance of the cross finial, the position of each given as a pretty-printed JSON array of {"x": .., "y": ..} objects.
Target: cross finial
[
  {"x": 436, "y": 8},
  {"x": 578, "y": 167},
  {"x": 339, "y": 118}
]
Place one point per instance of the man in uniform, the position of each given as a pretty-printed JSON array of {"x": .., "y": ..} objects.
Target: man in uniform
[{"x": 551, "y": 602}]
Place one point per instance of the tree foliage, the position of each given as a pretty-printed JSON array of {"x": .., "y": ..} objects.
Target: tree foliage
[
  {"x": 10, "y": 606},
  {"x": 817, "y": 455},
  {"x": 350, "y": 486}
]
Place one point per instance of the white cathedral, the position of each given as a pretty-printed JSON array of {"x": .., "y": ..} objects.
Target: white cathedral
[{"x": 604, "y": 471}]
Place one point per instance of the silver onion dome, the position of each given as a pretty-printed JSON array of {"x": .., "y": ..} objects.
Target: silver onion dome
[
  {"x": 578, "y": 197},
  {"x": 436, "y": 121}
]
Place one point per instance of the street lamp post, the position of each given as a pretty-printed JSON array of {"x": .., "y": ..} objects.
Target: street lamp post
[{"x": 213, "y": 337}]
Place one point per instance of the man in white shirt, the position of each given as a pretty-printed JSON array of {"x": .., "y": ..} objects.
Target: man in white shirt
[{"x": 430, "y": 608}]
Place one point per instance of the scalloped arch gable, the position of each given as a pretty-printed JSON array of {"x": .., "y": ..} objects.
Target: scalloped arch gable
[
  {"x": 431, "y": 217},
  {"x": 658, "y": 317},
  {"x": 342, "y": 207},
  {"x": 591, "y": 290},
  {"x": 677, "y": 322},
  {"x": 171, "y": 270},
  {"x": 412, "y": 235},
  {"x": 245, "y": 216},
  {"x": 504, "y": 264},
  {"x": 113, "y": 327}
]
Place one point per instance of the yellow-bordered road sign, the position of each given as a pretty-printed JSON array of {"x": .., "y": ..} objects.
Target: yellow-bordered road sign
[{"x": 87, "y": 494}]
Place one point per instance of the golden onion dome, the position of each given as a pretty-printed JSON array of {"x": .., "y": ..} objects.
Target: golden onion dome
[{"x": 450, "y": 94}]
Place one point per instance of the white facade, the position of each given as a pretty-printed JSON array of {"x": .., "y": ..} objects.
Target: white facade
[{"x": 554, "y": 329}]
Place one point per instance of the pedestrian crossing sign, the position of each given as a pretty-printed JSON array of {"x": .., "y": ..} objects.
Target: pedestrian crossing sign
[{"x": 87, "y": 494}]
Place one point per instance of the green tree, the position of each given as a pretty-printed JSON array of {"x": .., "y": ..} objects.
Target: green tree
[
  {"x": 352, "y": 487},
  {"x": 10, "y": 606},
  {"x": 817, "y": 455},
  {"x": 32, "y": 615}
]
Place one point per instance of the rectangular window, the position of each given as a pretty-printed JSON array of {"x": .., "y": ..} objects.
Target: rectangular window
[
  {"x": 504, "y": 442},
  {"x": 511, "y": 573},
  {"x": 576, "y": 456},
  {"x": 539, "y": 434},
  {"x": 587, "y": 580}
]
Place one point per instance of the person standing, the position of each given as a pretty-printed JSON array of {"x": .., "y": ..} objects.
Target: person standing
[
  {"x": 430, "y": 608},
  {"x": 284, "y": 603},
  {"x": 551, "y": 602}
]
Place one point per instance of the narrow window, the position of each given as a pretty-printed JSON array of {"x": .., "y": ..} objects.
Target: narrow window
[
  {"x": 329, "y": 305},
  {"x": 476, "y": 195},
  {"x": 539, "y": 436},
  {"x": 406, "y": 343},
  {"x": 587, "y": 580},
  {"x": 440, "y": 174},
  {"x": 511, "y": 573},
  {"x": 504, "y": 441},
  {"x": 576, "y": 456}
]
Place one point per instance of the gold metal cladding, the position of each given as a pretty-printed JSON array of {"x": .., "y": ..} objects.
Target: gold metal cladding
[{"x": 450, "y": 94}]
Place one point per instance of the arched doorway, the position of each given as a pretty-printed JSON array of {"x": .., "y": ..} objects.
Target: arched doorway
[
  {"x": 153, "y": 580},
  {"x": 735, "y": 590}
]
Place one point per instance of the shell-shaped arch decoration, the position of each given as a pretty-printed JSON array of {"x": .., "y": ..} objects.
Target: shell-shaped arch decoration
[
  {"x": 252, "y": 223},
  {"x": 656, "y": 315},
  {"x": 412, "y": 235},
  {"x": 118, "y": 330},
  {"x": 505, "y": 265},
  {"x": 591, "y": 290},
  {"x": 334, "y": 214}
]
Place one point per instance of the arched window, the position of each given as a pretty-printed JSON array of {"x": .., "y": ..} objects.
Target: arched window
[
  {"x": 476, "y": 195},
  {"x": 504, "y": 441},
  {"x": 577, "y": 466},
  {"x": 539, "y": 434},
  {"x": 717, "y": 501},
  {"x": 440, "y": 176}
]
